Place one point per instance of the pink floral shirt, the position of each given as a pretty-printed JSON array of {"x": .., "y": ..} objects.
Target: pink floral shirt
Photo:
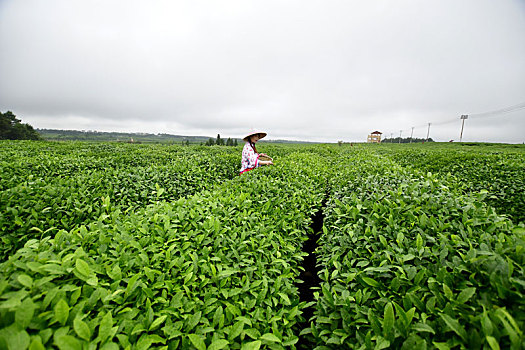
[{"x": 250, "y": 159}]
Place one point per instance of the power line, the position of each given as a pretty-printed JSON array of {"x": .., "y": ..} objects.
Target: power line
[
  {"x": 505, "y": 110},
  {"x": 498, "y": 112}
]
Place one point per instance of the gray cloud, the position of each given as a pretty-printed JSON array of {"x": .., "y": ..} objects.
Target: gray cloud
[{"x": 312, "y": 70}]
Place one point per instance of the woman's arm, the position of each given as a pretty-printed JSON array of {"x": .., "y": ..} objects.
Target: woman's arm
[{"x": 265, "y": 162}]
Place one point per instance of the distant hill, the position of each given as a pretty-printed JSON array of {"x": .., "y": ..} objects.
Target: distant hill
[
  {"x": 288, "y": 141},
  {"x": 77, "y": 135}
]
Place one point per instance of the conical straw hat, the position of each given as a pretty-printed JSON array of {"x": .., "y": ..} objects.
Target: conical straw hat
[{"x": 262, "y": 133}]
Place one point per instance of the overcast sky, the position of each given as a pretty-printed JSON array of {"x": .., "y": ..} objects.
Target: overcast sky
[{"x": 297, "y": 69}]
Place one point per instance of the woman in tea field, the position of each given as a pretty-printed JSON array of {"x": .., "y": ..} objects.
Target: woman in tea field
[{"x": 250, "y": 158}]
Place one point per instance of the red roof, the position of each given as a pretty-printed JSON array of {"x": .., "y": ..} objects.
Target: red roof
[{"x": 376, "y": 132}]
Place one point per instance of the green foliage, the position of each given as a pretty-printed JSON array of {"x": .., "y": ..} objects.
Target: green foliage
[
  {"x": 408, "y": 261},
  {"x": 220, "y": 141},
  {"x": 11, "y": 128},
  {"x": 162, "y": 246},
  {"x": 499, "y": 171},
  {"x": 406, "y": 140},
  {"x": 213, "y": 270},
  {"x": 69, "y": 185}
]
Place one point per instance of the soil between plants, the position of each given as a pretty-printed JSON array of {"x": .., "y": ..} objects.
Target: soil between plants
[{"x": 309, "y": 275}]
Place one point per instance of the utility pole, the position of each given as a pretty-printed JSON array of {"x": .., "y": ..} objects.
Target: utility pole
[
  {"x": 428, "y": 130},
  {"x": 463, "y": 117},
  {"x": 411, "y": 134},
  {"x": 400, "y": 131}
]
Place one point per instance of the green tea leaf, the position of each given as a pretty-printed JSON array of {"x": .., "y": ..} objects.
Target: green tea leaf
[
  {"x": 441, "y": 346},
  {"x": 68, "y": 342},
  {"x": 82, "y": 329},
  {"x": 270, "y": 337},
  {"x": 285, "y": 298},
  {"x": 486, "y": 324},
  {"x": 193, "y": 320},
  {"x": 217, "y": 316},
  {"x": 24, "y": 313},
  {"x": 252, "y": 333},
  {"x": 13, "y": 302},
  {"x": 3, "y": 285},
  {"x": 45, "y": 335},
  {"x": 419, "y": 242},
  {"x": 158, "y": 321},
  {"x": 112, "y": 346},
  {"x": 25, "y": 280},
  {"x": 236, "y": 330},
  {"x": 388, "y": 321},
  {"x": 36, "y": 344},
  {"x": 146, "y": 340},
  {"x": 374, "y": 322},
  {"x": 197, "y": 341},
  {"x": 218, "y": 344},
  {"x": 510, "y": 326},
  {"x": 92, "y": 280},
  {"x": 400, "y": 239},
  {"x": 465, "y": 295},
  {"x": 138, "y": 328},
  {"x": 423, "y": 327},
  {"x": 226, "y": 273},
  {"x": 132, "y": 284},
  {"x": 370, "y": 281},
  {"x": 291, "y": 341},
  {"x": 14, "y": 338},
  {"x": 454, "y": 325},
  {"x": 61, "y": 311},
  {"x": 381, "y": 343},
  {"x": 503, "y": 311},
  {"x": 83, "y": 268},
  {"x": 254, "y": 345},
  {"x": 115, "y": 273},
  {"x": 492, "y": 342},
  {"x": 447, "y": 291},
  {"x": 104, "y": 328}
]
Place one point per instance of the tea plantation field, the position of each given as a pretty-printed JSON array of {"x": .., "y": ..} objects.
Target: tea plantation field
[{"x": 123, "y": 246}]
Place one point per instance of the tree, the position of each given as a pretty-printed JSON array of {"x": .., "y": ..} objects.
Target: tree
[
  {"x": 235, "y": 142},
  {"x": 229, "y": 142},
  {"x": 11, "y": 128},
  {"x": 405, "y": 140},
  {"x": 210, "y": 142},
  {"x": 219, "y": 141}
]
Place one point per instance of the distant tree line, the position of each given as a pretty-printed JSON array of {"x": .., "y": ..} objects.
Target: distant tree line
[
  {"x": 220, "y": 142},
  {"x": 405, "y": 140},
  {"x": 12, "y": 128},
  {"x": 102, "y": 136}
]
